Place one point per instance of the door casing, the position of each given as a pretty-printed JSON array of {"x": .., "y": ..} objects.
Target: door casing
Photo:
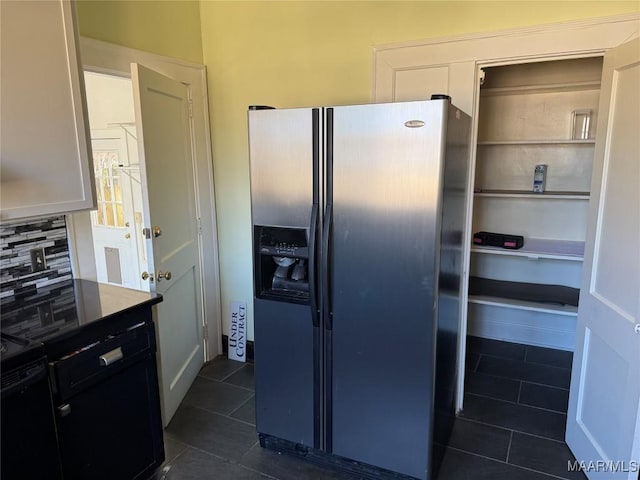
[
  {"x": 103, "y": 57},
  {"x": 453, "y": 66}
]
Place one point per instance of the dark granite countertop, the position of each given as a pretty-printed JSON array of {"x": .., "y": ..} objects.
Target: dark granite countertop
[{"x": 68, "y": 307}]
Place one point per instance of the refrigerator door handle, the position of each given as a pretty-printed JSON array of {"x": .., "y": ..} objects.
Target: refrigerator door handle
[
  {"x": 326, "y": 292},
  {"x": 313, "y": 291}
]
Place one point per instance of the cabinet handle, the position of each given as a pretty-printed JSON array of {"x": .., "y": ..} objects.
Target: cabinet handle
[
  {"x": 111, "y": 357},
  {"x": 64, "y": 410}
]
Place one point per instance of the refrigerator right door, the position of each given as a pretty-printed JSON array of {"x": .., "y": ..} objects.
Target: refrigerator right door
[{"x": 385, "y": 196}]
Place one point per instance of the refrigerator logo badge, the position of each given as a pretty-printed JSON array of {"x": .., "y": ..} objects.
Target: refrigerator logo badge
[{"x": 414, "y": 124}]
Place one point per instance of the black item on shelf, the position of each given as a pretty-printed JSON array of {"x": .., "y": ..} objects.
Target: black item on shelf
[
  {"x": 528, "y": 292},
  {"x": 503, "y": 240}
]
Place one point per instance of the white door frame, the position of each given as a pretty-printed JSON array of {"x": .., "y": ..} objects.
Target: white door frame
[
  {"x": 102, "y": 57},
  {"x": 458, "y": 60}
]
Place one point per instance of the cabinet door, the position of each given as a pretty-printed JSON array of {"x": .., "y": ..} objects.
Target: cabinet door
[
  {"x": 112, "y": 430},
  {"x": 44, "y": 149},
  {"x": 603, "y": 421}
]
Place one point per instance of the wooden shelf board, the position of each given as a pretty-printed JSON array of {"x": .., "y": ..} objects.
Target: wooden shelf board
[
  {"x": 568, "y": 310},
  {"x": 535, "y": 248},
  {"x": 529, "y": 194},
  {"x": 531, "y": 89},
  {"x": 590, "y": 141}
]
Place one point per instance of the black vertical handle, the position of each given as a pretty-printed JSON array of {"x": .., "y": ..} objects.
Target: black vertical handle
[
  {"x": 327, "y": 224},
  {"x": 313, "y": 291},
  {"x": 313, "y": 227},
  {"x": 326, "y": 291}
]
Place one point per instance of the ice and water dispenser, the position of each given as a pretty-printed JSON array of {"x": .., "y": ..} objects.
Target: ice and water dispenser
[{"x": 282, "y": 263}]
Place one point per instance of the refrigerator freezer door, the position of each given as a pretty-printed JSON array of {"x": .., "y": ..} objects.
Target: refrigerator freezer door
[
  {"x": 386, "y": 195},
  {"x": 281, "y": 144},
  {"x": 285, "y": 369},
  {"x": 285, "y": 150}
]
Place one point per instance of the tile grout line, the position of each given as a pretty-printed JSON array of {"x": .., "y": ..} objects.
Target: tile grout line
[
  {"x": 515, "y": 403},
  {"x": 213, "y": 412},
  {"x": 233, "y": 373},
  {"x": 523, "y": 361},
  {"x": 509, "y": 447},
  {"x": 252, "y": 398},
  {"x": 509, "y": 464},
  {"x": 475, "y": 369},
  {"x": 232, "y": 461},
  {"x": 512, "y": 430},
  {"x": 519, "y": 392},
  {"x": 227, "y": 383},
  {"x": 519, "y": 380}
]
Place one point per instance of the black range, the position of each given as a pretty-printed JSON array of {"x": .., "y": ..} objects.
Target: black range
[{"x": 81, "y": 355}]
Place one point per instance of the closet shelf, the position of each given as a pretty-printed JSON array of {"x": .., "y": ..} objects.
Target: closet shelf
[
  {"x": 535, "y": 248},
  {"x": 568, "y": 310},
  {"x": 569, "y": 87},
  {"x": 590, "y": 141},
  {"x": 529, "y": 194}
]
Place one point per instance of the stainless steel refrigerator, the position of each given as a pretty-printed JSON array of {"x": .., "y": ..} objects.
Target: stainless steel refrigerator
[{"x": 358, "y": 215}]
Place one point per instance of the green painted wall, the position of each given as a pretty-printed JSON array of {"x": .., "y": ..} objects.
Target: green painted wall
[{"x": 170, "y": 28}]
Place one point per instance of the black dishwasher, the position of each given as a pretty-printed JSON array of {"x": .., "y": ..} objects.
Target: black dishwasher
[
  {"x": 107, "y": 406},
  {"x": 29, "y": 448}
]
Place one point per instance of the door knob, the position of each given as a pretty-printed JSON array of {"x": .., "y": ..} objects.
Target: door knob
[
  {"x": 637, "y": 328},
  {"x": 157, "y": 231},
  {"x": 127, "y": 236},
  {"x": 165, "y": 275},
  {"x": 147, "y": 276}
]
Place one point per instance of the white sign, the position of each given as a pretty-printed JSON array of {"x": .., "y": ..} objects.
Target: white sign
[{"x": 238, "y": 333}]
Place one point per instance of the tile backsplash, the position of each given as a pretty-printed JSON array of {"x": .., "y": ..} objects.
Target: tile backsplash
[{"x": 17, "y": 239}]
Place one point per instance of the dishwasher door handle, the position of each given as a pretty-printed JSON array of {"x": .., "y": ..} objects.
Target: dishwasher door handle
[{"x": 111, "y": 357}]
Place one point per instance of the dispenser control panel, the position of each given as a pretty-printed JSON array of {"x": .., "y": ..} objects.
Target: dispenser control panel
[{"x": 281, "y": 263}]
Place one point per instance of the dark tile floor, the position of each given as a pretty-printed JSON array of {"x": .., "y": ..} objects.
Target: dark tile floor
[{"x": 512, "y": 426}]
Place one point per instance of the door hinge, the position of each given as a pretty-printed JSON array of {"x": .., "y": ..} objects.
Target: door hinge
[
  {"x": 482, "y": 76},
  {"x": 204, "y": 330},
  {"x": 190, "y": 108},
  {"x": 199, "y": 225}
]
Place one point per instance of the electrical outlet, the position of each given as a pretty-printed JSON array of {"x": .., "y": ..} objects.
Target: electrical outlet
[{"x": 38, "y": 262}]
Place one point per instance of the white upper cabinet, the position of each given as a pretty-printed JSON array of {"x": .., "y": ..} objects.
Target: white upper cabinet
[{"x": 45, "y": 157}]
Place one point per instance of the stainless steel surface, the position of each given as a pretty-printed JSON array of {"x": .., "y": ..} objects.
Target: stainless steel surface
[
  {"x": 280, "y": 147},
  {"x": 284, "y": 370},
  {"x": 377, "y": 248},
  {"x": 110, "y": 357},
  {"x": 454, "y": 185},
  {"x": 385, "y": 234},
  {"x": 165, "y": 275}
]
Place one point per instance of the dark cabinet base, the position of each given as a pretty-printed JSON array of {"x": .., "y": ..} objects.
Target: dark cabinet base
[{"x": 108, "y": 429}]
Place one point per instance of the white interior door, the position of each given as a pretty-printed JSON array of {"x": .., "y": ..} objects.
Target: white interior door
[
  {"x": 114, "y": 225},
  {"x": 603, "y": 421},
  {"x": 164, "y": 137}
]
